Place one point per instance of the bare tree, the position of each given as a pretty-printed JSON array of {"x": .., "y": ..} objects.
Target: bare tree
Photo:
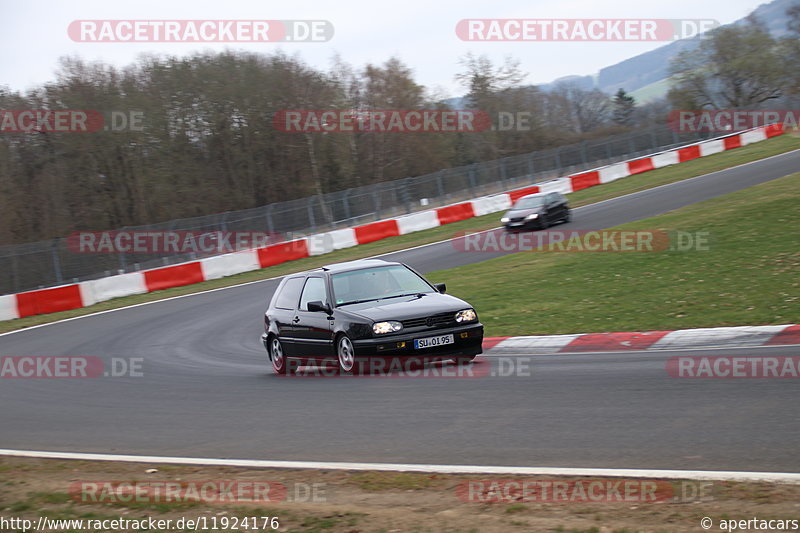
[{"x": 590, "y": 109}]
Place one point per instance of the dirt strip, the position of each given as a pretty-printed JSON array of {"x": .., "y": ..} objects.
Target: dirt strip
[{"x": 221, "y": 498}]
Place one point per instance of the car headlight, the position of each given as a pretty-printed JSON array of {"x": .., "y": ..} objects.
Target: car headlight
[
  {"x": 381, "y": 328},
  {"x": 504, "y": 219},
  {"x": 532, "y": 216},
  {"x": 466, "y": 315}
]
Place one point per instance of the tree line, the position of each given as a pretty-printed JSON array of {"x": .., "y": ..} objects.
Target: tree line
[{"x": 207, "y": 142}]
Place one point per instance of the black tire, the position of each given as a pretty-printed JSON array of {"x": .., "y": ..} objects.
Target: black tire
[
  {"x": 568, "y": 216},
  {"x": 277, "y": 356},
  {"x": 345, "y": 354}
]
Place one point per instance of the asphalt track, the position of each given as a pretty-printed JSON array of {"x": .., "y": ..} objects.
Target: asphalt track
[{"x": 207, "y": 390}]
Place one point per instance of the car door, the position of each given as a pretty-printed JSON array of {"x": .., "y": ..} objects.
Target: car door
[
  {"x": 561, "y": 205},
  {"x": 285, "y": 312},
  {"x": 565, "y": 202},
  {"x": 314, "y": 329},
  {"x": 551, "y": 206}
]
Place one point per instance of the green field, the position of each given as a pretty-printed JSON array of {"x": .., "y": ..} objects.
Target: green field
[
  {"x": 646, "y": 180},
  {"x": 748, "y": 274}
]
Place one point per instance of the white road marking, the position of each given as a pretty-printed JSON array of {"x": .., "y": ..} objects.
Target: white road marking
[{"x": 773, "y": 477}]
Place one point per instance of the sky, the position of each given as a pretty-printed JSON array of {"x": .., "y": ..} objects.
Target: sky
[{"x": 419, "y": 32}]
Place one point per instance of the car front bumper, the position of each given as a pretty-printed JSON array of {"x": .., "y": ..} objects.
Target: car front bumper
[
  {"x": 525, "y": 224},
  {"x": 467, "y": 342}
]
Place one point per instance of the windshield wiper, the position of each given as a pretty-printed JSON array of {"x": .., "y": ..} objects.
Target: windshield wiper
[
  {"x": 417, "y": 294},
  {"x": 358, "y": 301}
]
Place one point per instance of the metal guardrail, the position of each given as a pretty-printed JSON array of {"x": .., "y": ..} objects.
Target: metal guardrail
[{"x": 48, "y": 263}]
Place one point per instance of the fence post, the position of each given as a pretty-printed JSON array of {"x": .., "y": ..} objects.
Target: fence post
[
  {"x": 56, "y": 261},
  {"x": 15, "y": 269},
  {"x": 270, "y": 228},
  {"x": 558, "y": 160},
  {"x": 376, "y": 202},
  {"x": 348, "y": 213},
  {"x": 405, "y": 194},
  {"x": 310, "y": 209},
  {"x": 439, "y": 184},
  {"x": 584, "y": 156},
  {"x": 472, "y": 181},
  {"x": 123, "y": 264}
]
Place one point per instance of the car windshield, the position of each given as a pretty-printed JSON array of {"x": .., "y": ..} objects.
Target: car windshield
[
  {"x": 529, "y": 203},
  {"x": 377, "y": 284}
]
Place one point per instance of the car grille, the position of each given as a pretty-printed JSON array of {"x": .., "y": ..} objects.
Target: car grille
[
  {"x": 438, "y": 320},
  {"x": 517, "y": 219}
]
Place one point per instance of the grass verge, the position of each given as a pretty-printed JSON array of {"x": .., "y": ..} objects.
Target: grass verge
[
  {"x": 360, "y": 502},
  {"x": 749, "y": 274},
  {"x": 647, "y": 180}
]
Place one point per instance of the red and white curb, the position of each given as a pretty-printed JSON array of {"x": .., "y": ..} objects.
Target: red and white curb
[
  {"x": 710, "y": 475},
  {"x": 87, "y": 293},
  {"x": 739, "y": 336}
]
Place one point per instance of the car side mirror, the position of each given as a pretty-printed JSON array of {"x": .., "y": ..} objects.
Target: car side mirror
[
  {"x": 441, "y": 287},
  {"x": 318, "y": 307}
]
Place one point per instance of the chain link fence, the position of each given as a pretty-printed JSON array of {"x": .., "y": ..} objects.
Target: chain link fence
[{"x": 48, "y": 263}]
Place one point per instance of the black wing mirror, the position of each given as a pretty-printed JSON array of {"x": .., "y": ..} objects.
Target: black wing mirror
[
  {"x": 441, "y": 287},
  {"x": 319, "y": 307}
]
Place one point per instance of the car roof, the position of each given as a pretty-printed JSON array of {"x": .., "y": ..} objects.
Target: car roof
[
  {"x": 534, "y": 195},
  {"x": 354, "y": 265}
]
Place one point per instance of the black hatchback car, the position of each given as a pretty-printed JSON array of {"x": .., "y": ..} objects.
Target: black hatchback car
[
  {"x": 348, "y": 312},
  {"x": 540, "y": 210}
]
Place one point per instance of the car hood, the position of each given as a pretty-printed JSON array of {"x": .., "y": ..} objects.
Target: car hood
[
  {"x": 405, "y": 307},
  {"x": 522, "y": 213}
]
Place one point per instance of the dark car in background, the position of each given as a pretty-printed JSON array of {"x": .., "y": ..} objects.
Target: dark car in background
[
  {"x": 539, "y": 210},
  {"x": 349, "y": 312}
]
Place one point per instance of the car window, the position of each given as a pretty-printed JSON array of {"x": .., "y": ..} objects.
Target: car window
[
  {"x": 314, "y": 291},
  {"x": 529, "y": 203},
  {"x": 290, "y": 293},
  {"x": 377, "y": 283}
]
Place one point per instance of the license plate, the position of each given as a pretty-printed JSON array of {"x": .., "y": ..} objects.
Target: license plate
[{"x": 429, "y": 342}]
